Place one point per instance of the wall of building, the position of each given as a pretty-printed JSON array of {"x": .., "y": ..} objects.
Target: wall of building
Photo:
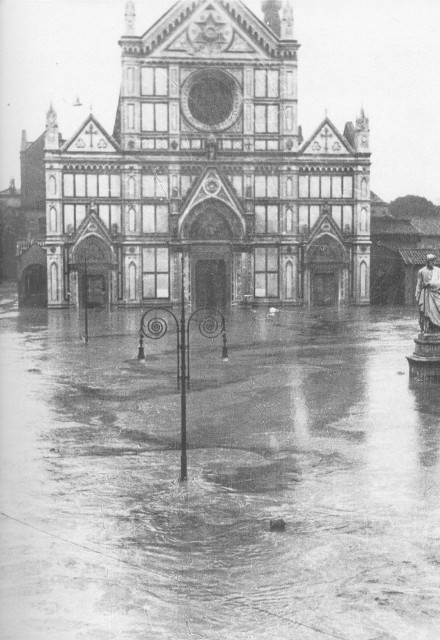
[{"x": 179, "y": 163}]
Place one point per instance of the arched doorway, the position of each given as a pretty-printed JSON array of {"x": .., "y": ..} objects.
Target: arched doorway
[
  {"x": 33, "y": 286},
  {"x": 92, "y": 261},
  {"x": 210, "y": 229},
  {"x": 325, "y": 259}
]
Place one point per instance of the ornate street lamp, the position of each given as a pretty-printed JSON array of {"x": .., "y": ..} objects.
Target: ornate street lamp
[{"x": 154, "y": 325}]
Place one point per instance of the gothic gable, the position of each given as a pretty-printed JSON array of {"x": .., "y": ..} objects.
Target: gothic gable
[
  {"x": 325, "y": 225},
  {"x": 325, "y": 242},
  {"x": 211, "y": 186},
  {"x": 327, "y": 140},
  {"x": 209, "y": 28},
  {"x": 92, "y": 234},
  {"x": 91, "y": 137}
]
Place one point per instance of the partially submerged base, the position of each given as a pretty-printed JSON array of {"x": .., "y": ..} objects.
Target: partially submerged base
[{"x": 424, "y": 364}]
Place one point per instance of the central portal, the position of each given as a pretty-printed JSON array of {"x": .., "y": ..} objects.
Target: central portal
[
  {"x": 96, "y": 291},
  {"x": 211, "y": 283},
  {"x": 325, "y": 289}
]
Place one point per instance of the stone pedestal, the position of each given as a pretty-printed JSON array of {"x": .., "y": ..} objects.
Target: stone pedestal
[{"x": 424, "y": 364}]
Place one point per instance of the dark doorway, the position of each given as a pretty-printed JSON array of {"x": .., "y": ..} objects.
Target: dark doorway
[
  {"x": 33, "y": 287},
  {"x": 211, "y": 285},
  {"x": 325, "y": 290},
  {"x": 96, "y": 291}
]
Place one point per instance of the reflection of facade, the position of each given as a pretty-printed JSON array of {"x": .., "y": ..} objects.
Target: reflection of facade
[{"x": 206, "y": 157}]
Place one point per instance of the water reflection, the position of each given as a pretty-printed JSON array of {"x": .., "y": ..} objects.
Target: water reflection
[
  {"x": 391, "y": 421},
  {"x": 310, "y": 421},
  {"x": 426, "y": 397}
]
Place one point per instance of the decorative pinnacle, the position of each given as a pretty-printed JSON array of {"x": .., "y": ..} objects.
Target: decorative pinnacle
[
  {"x": 51, "y": 116},
  {"x": 130, "y": 18},
  {"x": 362, "y": 121},
  {"x": 271, "y": 12},
  {"x": 287, "y": 21}
]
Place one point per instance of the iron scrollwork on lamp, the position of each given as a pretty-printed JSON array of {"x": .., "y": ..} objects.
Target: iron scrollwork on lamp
[{"x": 154, "y": 325}]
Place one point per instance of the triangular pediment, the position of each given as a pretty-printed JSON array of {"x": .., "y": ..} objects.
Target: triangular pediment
[
  {"x": 211, "y": 186},
  {"x": 92, "y": 225},
  {"x": 91, "y": 137},
  {"x": 325, "y": 225},
  {"x": 327, "y": 140},
  {"x": 326, "y": 242},
  {"x": 210, "y": 28}
]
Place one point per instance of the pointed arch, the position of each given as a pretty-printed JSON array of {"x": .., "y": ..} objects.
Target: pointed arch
[
  {"x": 92, "y": 249},
  {"x": 207, "y": 191},
  {"x": 131, "y": 187},
  {"x": 289, "y": 220},
  {"x": 54, "y": 282},
  {"x": 53, "y": 219},
  {"x": 364, "y": 188},
  {"x": 131, "y": 284},
  {"x": 288, "y": 281},
  {"x": 132, "y": 219},
  {"x": 363, "y": 222},
  {"x": 52, "y": 186},
  {"x": 363, "y": 272},
  {"x": 325, "y": 248},
  {"x": 212, "y": 220}
]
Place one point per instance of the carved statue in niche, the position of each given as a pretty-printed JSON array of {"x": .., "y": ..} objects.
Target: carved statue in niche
[
  {"x": 326, "y": 209},
  {"x": 211, "y": 147}
]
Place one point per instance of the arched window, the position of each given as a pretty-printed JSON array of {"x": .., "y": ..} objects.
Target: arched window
[
  {"x": 288, "y": 279},
  {"x": 132, "y": 281},
  {"x": 131, "y": 187},
  {"x": 363, "y": 277},
  {"x": 52, "y": 186},
  {"x": 131, "y": 220},
  {"x": 289, "y": 221},
  {"x": 289, "y": 187},
  {"x": 363, "y": 223},
  {"x": 54, "y": 282},
  {"x": 53, "y": 219},
  {"x": 364, "y": 188}
]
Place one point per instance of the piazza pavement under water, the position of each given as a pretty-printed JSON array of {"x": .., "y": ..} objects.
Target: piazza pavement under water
[{"x": 312, "y": 420}]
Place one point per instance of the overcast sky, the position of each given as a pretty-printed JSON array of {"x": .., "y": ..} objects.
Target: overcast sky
[{"x": 382, "y": 54}]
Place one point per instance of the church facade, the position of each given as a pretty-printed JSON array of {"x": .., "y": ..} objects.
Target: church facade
[{"x": 206, "y": 178}]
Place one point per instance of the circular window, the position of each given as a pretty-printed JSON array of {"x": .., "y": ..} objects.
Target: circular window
[{"x": 211, "y": 100}]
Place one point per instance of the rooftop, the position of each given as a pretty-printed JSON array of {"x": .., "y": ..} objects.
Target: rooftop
[{"x": 417, "y": 256}]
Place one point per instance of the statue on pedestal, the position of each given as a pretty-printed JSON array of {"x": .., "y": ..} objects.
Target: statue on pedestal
[
  {"x": 424, "y": 364},
  {"x": 428, "y": 296}
]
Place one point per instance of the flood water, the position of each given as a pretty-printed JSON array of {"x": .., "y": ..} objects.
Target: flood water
[{"x": 312, "y": 420}]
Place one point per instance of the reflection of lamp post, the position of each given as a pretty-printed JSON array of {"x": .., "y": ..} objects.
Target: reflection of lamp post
[
  {"x": 86, "y": 303},
  {"x": 154, "y": 325}
]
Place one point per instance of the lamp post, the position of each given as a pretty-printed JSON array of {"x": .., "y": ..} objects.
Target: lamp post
[
  {"x": 86, "y": 303},
  {"x": 154, "y": 325}
]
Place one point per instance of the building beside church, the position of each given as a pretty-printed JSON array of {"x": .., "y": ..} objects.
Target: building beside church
[
  {"x": 399, "y": 247},
  {"x": 207, "y": 170},
  {"x": 10, "y": 202}
]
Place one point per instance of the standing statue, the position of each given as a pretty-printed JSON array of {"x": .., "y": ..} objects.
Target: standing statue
[
  {"x": 211, "y": 147},
  {"x": 428, "y": 296}
]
